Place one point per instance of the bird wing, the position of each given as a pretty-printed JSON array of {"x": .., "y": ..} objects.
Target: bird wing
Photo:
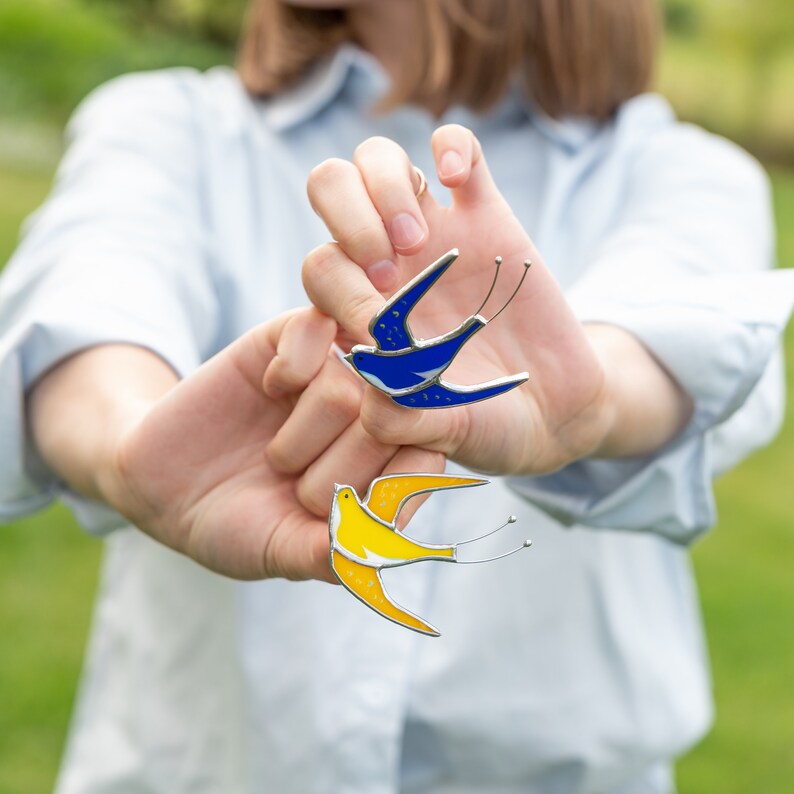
[
  {"x": 367, "y": 586},
  {"x": 387, "y": 495},
  {"x": 389, "y": 327},
  {"x": 447, "y": 395}
]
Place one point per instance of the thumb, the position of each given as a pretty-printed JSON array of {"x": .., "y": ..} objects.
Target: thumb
[{"x": 461, "y": 166}]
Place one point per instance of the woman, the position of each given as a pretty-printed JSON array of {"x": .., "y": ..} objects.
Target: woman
[{"x": 151, "y": 323}]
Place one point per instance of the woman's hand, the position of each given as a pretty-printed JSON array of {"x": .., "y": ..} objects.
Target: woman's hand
[
  {"x": 384, "y": 231},
  {"x": 574, "y": 404},
  {"x": 210, "y": 465}
]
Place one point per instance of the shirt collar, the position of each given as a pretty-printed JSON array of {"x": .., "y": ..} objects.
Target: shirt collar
[
  {"x": 365, "y": 81},
  {"x": 571, "y": 133},
  {"x": 349, "y": 68}
]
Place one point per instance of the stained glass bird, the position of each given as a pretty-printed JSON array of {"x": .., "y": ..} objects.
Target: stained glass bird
[
  {"x": 365, "y": 539},
  {"x": 408, "y": 369}
]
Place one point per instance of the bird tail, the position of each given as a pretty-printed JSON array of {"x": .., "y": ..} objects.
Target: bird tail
[{"x": 445, "y": 395}]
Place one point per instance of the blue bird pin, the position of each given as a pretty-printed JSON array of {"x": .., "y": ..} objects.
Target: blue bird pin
[{"x": 408, "y": 369}]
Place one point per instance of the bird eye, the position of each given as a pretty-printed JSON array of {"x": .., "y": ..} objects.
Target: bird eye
[
  {"x": 359, "y": 358},
  {"x": 347, "y": 495}
]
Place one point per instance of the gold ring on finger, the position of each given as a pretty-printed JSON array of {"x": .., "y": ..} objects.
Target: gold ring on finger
[{"x": 422, "y": 189}]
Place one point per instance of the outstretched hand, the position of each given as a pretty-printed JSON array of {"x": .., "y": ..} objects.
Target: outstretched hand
[
  {"x": 386, "y": 235},
  {"x": 209, "y": 465}
]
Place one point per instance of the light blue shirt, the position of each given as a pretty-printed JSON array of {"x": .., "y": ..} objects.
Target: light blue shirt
[{"x": 179, "y": 220}]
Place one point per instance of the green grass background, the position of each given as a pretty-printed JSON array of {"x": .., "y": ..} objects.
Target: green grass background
[{"x": 48, "y": 567}]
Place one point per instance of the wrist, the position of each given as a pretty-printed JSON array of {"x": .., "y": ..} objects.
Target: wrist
[
  {"x": 82, "y": 411},
  {"x": 643, "y": 407},
  {"x": 112, "y": 472}
]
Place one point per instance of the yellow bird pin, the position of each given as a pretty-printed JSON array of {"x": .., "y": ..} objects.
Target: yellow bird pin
[{"x": 365, "y": 539}]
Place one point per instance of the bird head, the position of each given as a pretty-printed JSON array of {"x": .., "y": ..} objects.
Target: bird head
[
  {"x": 343, "y": 503},
  {"x": 371, "y": 366}
]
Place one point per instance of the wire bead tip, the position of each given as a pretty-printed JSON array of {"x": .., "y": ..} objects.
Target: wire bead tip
[
  {"x": 498, "y": 261},
  {"x": 527, "y": 263}
]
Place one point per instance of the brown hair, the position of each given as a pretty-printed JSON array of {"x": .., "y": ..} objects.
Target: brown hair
[{"x": 579, "y": 57}]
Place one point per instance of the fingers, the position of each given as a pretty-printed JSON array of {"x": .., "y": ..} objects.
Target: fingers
[
  {"x": 298, "y": 550},
  {"x": 371, "y": 208},
  {"x": 461, "y": 166},
  {"x": 355, "y": 458},
  {"x": 441, "y": 430},
  {"x": 339, "y": 288},
  {"x": 302, "y": 342},
  {"x": 339, "y": 196},
  {"x": 391, "y": 183},
  {"x": 330, "y": 403}
]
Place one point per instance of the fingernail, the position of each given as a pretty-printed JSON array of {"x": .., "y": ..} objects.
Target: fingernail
[
  {"x": 404, "y": 231},
  {"x": 451, "y": 165},
  {"x": 383, "y": 274}
]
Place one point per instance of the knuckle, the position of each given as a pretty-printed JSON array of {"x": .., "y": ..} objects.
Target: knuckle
[
  {"x": 377, "y": 143},
  {"x": 320, "y": 260},
  {"x": 341, "y": 398},
  {"x": 274, "y": 374},
  {"x": 326, "y": 174},
  {"x": 435, "y": 461},
  {"x": 384, "y": 422},
  {"x": 328, "y": 170},
  {"x": 281, "y": 456},
  {"x": 376, "y": 449},
  {"x": 360, "y": 309},
  {"x": 454, "y": 429},
  {"x": 320, "y": 324},
  {"x": 309, "y": 496},
  {"x": 365, "y": 240},
  {"x": 283, "y": 374}
]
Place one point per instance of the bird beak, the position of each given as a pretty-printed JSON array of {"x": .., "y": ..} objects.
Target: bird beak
[
  {"x": 336, "y": 489},
  {"x": 349, "y": 358}
]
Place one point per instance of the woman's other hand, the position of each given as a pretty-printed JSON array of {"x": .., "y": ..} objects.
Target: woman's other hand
[
  {"x": 592, "y": 390},
  {"x": 234, "y": 465}
]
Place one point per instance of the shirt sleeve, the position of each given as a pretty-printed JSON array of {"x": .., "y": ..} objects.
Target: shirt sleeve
[
  {"x": 118, "y": 253},
  {"x": 685, "y": 269}
]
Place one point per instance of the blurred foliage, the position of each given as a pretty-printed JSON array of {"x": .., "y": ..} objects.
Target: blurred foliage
[
  {"x": 681, "y": 17},
  {"x": 754, "y": 29},
  {"x": 213, "y": 21},
  {"x": 53, "y": 52},
  {"x": 729, "y": 65},
  {"x": 757, "y": 33}
]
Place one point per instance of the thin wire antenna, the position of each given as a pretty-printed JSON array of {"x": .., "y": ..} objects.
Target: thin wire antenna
[
  {"x": 527, "y": 265},
  {"x": 510, "y": 520},
  {"x": 498, "y": 261},
  {"x": 525, "y": 545}
]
